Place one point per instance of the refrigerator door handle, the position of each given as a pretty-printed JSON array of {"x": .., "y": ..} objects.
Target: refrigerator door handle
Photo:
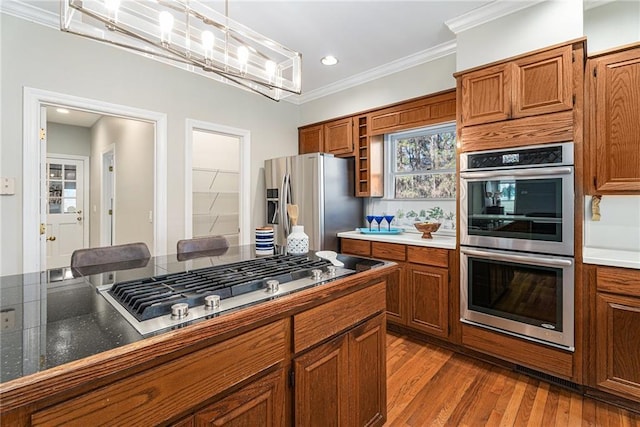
[{"x": 285, "y": 197}]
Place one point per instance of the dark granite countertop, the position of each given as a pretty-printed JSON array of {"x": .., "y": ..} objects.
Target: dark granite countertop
[{"x": 54, "y": 318}]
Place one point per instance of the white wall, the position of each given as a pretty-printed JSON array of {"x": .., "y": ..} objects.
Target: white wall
[
  {"x": 424, "y": 79},
  {"x": 44, "y": 58},
  {"x": 613, "y": 24},
  {"x": 619, "y": 225},
  {"x": 536, "y": 27},
  {"x": 133, "y": 143},
  {"x": 67, "y": 139}
]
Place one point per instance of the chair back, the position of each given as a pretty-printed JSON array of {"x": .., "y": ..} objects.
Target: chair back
[
  {"x": 202, "y": 246},
  {"x": 105, "y": 258}
]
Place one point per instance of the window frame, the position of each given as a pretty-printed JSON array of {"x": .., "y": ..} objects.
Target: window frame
[{"x": 390, "y": 159}]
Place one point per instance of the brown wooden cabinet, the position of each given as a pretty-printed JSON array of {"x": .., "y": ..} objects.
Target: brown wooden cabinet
[
  {"x": 338, "y": 137},
  {"x": 369, "y": 160},
  {"x": 486, "y": 95},
  {"x": 428, "y": 298},
  {"x": 613, "y": 91},
  {"x": 617, "y": 332},
  {"x": 436, "y": 108},
  {"x": 310, "y": 139},
  {"x": 539, "y": 83},
  {"x": 396, "y": 296},
  {"x": 342, "y": 382},
  {"x": 417, "y": 294},
  {"x": 261, "y": 403}
]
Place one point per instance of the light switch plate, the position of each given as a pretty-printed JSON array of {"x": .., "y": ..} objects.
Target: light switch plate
[{"x": 7, "y": 186}]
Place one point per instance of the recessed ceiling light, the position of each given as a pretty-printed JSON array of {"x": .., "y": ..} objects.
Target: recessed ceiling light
[
  {"x": 329, "y": 60},
  {"x": 62, "y": 110}
]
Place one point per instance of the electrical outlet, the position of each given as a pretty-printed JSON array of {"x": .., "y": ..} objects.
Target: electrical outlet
[{"x": 8, "y": 319}]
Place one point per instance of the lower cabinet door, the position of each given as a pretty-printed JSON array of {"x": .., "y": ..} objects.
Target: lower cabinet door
[
  {"x": 428, "y": 289},
  {"x": 321, "y": 396},
  {"x": 396, "y": 296},
  {"x": 617, "y": 348},
  {"x": 368, "y": 374},
  {"x": 344, "y": 382},
  {"x": 260, "y": 403}
]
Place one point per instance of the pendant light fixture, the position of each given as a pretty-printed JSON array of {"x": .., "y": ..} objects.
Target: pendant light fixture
[{"x": 189, "y": 34}]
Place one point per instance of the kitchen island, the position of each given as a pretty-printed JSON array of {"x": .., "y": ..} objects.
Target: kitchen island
[{"x": 312, "y": 354}]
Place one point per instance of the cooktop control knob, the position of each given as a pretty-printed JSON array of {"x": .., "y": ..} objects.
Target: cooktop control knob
[
  {"x": 179, "y": 310},
  {"x": 331, "y": 270},
  {"x": 272, "y": 285},
  {"x": 212, "y": 302},
  {"x": 316, "y": 274}
]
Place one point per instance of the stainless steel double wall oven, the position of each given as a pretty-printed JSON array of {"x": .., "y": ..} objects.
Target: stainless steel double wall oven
[{"x": 517, "y": 242}]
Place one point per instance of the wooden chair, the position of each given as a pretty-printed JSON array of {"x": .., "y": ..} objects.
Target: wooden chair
[
  {"x": 201, "y": 246},
  {"x": 107, "y": 258}
]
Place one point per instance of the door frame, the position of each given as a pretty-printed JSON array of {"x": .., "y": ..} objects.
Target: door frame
[
  {"x": 32, "y": 152},
  {"x": 244, "y": 137},
  {"x": 107, "y": 222},
  {"x": 85, "y": 191}
]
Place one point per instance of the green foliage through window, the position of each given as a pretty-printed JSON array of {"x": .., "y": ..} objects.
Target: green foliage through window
[{"x": 422, "y": 163}]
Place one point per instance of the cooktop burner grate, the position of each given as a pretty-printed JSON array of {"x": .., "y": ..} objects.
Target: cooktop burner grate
[{"x": 153, "y": 297}]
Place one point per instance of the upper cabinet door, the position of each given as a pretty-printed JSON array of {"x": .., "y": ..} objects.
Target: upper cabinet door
[
  {"x": 338, "y": 136},
  {"x": 542, "y": 83},
  {"x": 486, "y": 95},
  {"x": 310, "y": 140},
  {"x": 614, "y": 93}
]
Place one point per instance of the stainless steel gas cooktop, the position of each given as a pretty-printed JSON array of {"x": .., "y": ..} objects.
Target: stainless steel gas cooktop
[{"x": 172, "y": 300}]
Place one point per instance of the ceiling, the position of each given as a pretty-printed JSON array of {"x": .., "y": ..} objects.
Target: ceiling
[
  {"x": 367, "y": 37},
  {"x": 72, "y": 117}
]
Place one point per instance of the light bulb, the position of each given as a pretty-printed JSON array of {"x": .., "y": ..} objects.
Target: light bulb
[
  {"x": 112, "y": 5},
  {"x": 208, "y": 40},
  {"x": 243, "y": 54},
  {"x": 165, "y": 20},
  {"x": 112, "y": 10},
  {"x": 270, "y": 68}
]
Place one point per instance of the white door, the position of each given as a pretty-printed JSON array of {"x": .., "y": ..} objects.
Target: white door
[{"x": 66, "y": 209}]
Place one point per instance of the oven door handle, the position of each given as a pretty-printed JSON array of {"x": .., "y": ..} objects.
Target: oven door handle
[
  {"x": 518, "y": 172},
  {"x": 528, "y": 259}
]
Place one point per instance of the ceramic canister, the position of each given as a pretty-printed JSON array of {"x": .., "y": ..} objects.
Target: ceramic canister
[
  {"x": 297, "y": 241},
  {"x": 264, "y": 241}
]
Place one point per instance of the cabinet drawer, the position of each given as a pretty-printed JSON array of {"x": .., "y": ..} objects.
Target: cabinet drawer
[
  {"x": 389, "y": 251},
  {"x": 327, "y": 320},
  {"x": 429, "y": 256},
  {"x": 619, "y": 280},
  {"x": 158, "y": 394},
  {"x": 356, "y": 247}
]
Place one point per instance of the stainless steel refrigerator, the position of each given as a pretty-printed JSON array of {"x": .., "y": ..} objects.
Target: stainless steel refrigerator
[{"x": 323, "y": 188}]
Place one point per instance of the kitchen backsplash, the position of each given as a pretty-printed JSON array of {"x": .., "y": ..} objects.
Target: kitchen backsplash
[
  {"x": 407, "y": 212},
  {"x": 619, "y": 225}
]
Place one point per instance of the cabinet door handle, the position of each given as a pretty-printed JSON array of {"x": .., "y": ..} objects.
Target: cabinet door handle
[{"x": 51, "y": 238}]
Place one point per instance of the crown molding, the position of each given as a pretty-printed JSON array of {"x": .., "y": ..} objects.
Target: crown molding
[
  {"x": 428, "y": 55},
  {"x": 482, "y": 15},
  {"x": 23, "y": 10}
]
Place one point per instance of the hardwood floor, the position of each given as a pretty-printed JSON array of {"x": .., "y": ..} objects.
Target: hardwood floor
[{"x": 431, "y": 386}]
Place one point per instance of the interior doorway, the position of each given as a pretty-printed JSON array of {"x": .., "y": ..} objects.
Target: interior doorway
[
  {"x": 34, "y": 166},
  {"x": 217, "y": 182}
]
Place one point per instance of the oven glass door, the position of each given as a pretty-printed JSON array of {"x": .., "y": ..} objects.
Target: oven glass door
[
  {"x": 529, "y": 210},
  {"x": 524, "y": 294}
]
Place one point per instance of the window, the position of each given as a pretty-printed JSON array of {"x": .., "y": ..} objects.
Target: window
[{"x": 421, "y": 164}]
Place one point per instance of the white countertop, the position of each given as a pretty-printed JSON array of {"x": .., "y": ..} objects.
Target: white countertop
[
  {"x": 611, "y": 257},
  {"x": 444, "y": 241}
]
